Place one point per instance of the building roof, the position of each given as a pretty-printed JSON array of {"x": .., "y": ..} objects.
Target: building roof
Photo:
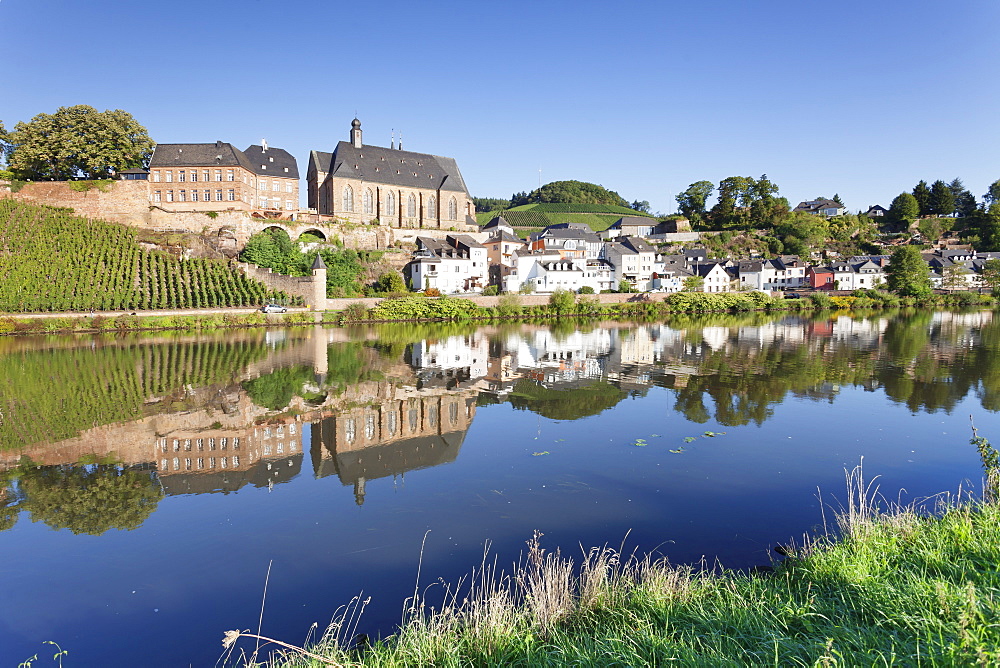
[
  {"x": 504, "y": 235},
  {"x": 636, "y": 244},
  {"x": 219, "y": 154},
  {"x": 377, "y": 164},
  {"x": 318, "y": 262},
  {"x": 465, "y": 240},
  {"x": 272, "y": 161},
  {"x": 633, "y": 221},
  {"x": 496, "y": 221},
  {"x": 570, "y": 233}
]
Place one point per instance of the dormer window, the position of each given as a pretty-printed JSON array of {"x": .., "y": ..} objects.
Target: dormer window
[
  {"x": 264, "y": 167},
  {"x": 286, "y": 169},
  {"x": 271, "y": 159}
]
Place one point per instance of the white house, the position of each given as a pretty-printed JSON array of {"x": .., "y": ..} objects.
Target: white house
[{"x": 456, "y": 265}]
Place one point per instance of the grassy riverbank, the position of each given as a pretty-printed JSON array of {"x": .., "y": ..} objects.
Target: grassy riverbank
[
  {"x": 895, "y": 588},
  {"x": 148, "y": 322}
]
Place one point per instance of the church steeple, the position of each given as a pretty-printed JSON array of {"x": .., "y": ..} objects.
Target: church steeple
[{"x": 356, "y": 133}]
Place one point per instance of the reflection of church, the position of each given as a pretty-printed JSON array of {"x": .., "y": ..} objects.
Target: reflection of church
[{"x": 389, "y": 439}]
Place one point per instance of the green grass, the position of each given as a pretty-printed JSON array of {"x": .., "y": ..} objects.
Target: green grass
[
  {"x": 895, "y": 588},
  {"x": 598, "y": 216}
]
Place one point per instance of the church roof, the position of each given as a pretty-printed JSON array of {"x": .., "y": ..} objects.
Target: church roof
[
  {"x": 272, "y": 162},
  {"x": 377, "y": 164}
]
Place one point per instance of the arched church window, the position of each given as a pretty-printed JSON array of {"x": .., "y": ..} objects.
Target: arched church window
[
  {"x": 348, "y": 198},
  {"x": 411, "y": 206},
  {"x": 432, "y": 207},
  {"x": 367, "y": 200},
  {"x": 452, "y": 209},
  {"x": 390, "y": 205}
]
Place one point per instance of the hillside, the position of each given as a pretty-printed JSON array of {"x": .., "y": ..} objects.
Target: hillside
[
  {"x": 52, "y": 260},
  {"x": 530, "y": 217}
]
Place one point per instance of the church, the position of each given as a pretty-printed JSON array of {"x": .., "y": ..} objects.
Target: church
[{"x": 363, "y": 183}]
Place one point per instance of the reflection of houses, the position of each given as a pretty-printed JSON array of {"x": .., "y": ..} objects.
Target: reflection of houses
[
  {"x": 389, "y": 439},
  {"x": 224, "y": 460}
]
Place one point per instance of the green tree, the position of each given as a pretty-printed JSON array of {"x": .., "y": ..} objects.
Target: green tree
[
  {"x": 904, "y": 209},
  {"x": 77, "y": 141},
  {"x": 942, "y": 200},
  {"x": 965, "y": 202},
  {"x": 953, "y": 277},
  {"x": 640, "y": 205},
  {"x": 390, "y": 281},
  {"x": 89, "y": 499},
  {"x": 987, "y": 222},
  {"x": 562, "y": 301},
  {"x": 907, "y": 273},
  {"x": 625, "y": 287},
  {"x": 693, "y": 284},
  {"x": 922, "y": 193},
  {"x": 991, "y": 275},
  {"x": 836, "y": 198},
  {"x": 570, "y": 192},
  {"x": 992, "y": 195},
  {"x": 732, "y": 207},
  {"x": 692, "y": 201}
]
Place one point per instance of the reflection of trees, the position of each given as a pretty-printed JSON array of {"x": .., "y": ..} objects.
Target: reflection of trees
[
  {"x": 926, "y": 364},
  {"x": 84, "y": 499},
  {"x": 565, "y": 404},
  {"x": 275, "y": 390}
]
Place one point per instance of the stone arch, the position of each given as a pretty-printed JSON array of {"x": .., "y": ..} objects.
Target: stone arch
[{"x": 313, "y": 231}]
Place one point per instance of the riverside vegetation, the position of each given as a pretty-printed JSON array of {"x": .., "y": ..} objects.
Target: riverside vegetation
[{"x": 887, "y": 586}]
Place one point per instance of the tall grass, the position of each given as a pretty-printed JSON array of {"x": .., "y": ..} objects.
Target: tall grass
[{"x": 891, "y": 586}]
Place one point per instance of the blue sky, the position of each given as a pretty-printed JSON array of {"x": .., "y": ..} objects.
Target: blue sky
[{"x": 857, "y": 98}]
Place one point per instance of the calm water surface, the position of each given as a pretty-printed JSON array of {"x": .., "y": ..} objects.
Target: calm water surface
[{"x": 147, "y": 483}]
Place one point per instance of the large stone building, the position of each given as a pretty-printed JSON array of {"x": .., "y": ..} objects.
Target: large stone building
[
  {"x": 219, "y": 177},
  {"x": 361, "y": 183}
]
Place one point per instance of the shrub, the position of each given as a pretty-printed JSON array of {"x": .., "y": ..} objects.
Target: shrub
[
  {"x": 821, "y": 300},
  {"x": 432, "y": 292},
  {"x": 562, "y": 301},
  {"x": 491, "y": 291},
  {"x": 585, "y": 290},
  {"x": 509, "y": 305},
  {"x": 354, "y": 312}
]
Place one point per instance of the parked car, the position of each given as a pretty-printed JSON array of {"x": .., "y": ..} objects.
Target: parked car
[{"x": 273, "y": 308}]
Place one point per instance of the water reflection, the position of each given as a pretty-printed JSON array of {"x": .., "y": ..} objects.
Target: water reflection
[{"x": 93, "y": 436}]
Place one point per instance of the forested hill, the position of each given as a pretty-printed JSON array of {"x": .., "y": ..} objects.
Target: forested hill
[{"x": 52, "y": 260}]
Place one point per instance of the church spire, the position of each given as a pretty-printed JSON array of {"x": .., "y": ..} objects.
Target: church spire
[{"x": 356, "y": 133}]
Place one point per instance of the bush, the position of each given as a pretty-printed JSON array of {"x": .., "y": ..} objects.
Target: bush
[
  {"x": 491, "y": 291},
  {"x": 509, "y": 305},
  {"x": 585, "y": 290},
  {"x": 354, "y": 312},
  {"x": 562, "y": 301},
  {"x": 390, "y": 281},
  {"x": 821, "y": 300},
  {"x": 432, "y": 292},
  {"x": 418, "y": 308}
]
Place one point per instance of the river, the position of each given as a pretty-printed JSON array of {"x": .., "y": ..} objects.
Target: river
[{"x": 151, "y": 483}]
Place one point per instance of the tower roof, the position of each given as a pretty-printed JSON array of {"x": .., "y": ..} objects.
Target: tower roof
[{"x": 318, "y": 262}]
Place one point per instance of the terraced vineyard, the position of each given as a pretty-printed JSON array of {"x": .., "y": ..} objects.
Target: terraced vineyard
[
  {"x": 52, "y": 260},
  {"x": 597, "y": 216}
]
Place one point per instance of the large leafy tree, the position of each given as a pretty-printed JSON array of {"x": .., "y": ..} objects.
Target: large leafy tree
[
  {"x": 908, "y": 274},
  {"x": 987, "y": 222},
  {"x": 77, "y": 141},
  {"x": 942, "y": 200},
  {"x": 904, "y": 209},
  {"x": 692, "y": 201}
]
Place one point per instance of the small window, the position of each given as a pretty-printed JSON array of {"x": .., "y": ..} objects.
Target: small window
[
  {"x": 231, "y": 195},
  {"x": 156, "y": 196},
  {"x": 218, "y": 175},
  {"x": 194, "y": 195},
  {"x": 170, "y": 177},
  {"x": 230, "y": 175},
  {"x": 180, "y": 176},
  {"x": 194, "y": 174},
  {"x": 156, "y": 176},
  {"x": 218, "y": 195}
]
